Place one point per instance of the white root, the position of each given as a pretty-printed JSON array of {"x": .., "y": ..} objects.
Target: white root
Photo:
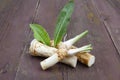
[
  {"x": 71, "y": 41},
  {"x": 85, "y": 58},
  {"x": 39, "y": 49},
  {"x": 61, "y": 54},
  {"x": 49, "y": 61}
]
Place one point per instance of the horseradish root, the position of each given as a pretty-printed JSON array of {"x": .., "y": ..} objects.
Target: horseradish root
[
  {"x": 86, "y": 58},
  {"x": 39, "y": 49},
  {"x": 49, "y": 62},
  {"x": 56, "y": 50},
  {"x": 62, "y": 53}
]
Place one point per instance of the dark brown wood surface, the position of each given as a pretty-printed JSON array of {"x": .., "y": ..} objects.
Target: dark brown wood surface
[{"x": 100, "y": 17}]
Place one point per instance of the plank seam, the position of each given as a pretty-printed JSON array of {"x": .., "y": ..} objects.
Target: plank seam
[
  {"x": 111, "y": 37},
  {"x": 27, "y": 38},
  {"x": 107, "y": 28}
]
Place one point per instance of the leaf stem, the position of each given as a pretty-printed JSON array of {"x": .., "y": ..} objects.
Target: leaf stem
[
  {"x": 85, "y": 48},
  {"x": 70, "y": 42}
]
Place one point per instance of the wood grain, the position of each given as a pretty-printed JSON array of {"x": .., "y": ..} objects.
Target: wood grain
[
  {"x": 100, "y": 17},
  {"x": 84, "y": 17},
  {"x": 109, "y": 13},
  {"x": 15, "y": 17}
]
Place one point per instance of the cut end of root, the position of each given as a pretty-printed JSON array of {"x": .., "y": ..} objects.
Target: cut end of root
[
  {"x": 42, "y": 66},
  {"x": 74, "y": 62},
  {"x": 32, "y": 46},
  {"x": 91, "y": 61}
]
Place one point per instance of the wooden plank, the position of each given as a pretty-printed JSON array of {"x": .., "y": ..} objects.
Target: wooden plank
[
  {"x": 84, "y": 17},
  {"x": 107, "y": 59},
  {"x": 29, "y": 68},
  {"x": 15, "y": 15},
  {"x": 109, "y": 12}
]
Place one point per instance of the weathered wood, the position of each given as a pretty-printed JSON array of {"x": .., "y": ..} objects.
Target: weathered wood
[
  {"x": 106, "y": 54},
  {"x": 84, "y": 17},
  {"x": 93, "y": 15},
  {"x": 109, "y": 12},
  {"x": 15, "y": 15},
  {"x": 45, "y": 14}
]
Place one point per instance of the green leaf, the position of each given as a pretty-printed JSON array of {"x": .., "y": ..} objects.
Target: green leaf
[
  {"x": 62, "y": 22},
  {"x": 40, "y": 34}
]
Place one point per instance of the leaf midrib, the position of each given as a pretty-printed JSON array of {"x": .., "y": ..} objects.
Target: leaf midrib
[
  {"x": 60, "y": 25},
  {"x": 45, "y": 42}
]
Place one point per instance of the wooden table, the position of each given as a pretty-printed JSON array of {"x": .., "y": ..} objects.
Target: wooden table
[{"x": 100, "y": 17}]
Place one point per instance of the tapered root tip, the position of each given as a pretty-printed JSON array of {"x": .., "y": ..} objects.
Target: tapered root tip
[{"x": 91, "y": 61}]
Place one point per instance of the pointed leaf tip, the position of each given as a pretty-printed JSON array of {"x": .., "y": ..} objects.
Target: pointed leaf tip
[
  {"x": 63, "y": 21},
  {"x": 40, "y": 33}
]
